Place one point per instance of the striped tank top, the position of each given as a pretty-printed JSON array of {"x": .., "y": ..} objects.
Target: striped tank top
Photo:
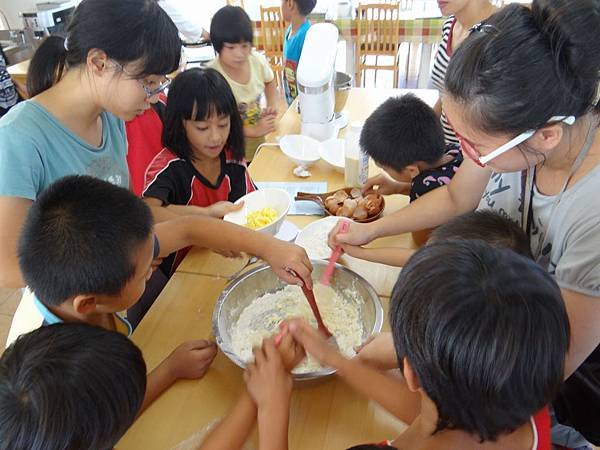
[{"x": 438, "y": 73}]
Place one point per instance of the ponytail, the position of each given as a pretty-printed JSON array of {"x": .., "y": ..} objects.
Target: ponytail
[{"x": 47, "y": 65}]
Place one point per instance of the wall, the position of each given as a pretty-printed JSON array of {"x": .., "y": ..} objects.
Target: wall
[{"x": 12, "y": 8}]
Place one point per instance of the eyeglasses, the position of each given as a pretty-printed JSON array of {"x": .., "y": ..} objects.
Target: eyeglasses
[
  {"x": 468, "y": 147},
  {"x": 150, "y": 92}
]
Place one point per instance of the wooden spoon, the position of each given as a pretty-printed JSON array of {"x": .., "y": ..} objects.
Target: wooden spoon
[{"x": 320, "y": 200}]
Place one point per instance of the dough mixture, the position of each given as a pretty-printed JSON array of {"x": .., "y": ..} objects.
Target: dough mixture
[{"x": 262, "y": 317}]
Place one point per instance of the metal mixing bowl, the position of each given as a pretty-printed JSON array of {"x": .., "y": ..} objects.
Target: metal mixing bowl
[{"x": 261, "y": 280}]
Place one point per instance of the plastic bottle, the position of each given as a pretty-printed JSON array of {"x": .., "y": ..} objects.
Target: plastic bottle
[{"x": 356, "y": 161}]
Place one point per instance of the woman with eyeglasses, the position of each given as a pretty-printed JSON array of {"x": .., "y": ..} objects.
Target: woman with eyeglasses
[
  {"x": 522, "y": 95},
  {"x": 109, "y": 68}
]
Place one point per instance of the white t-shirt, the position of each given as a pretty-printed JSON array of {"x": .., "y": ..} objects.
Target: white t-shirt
[{"x": 571, "y": 250}]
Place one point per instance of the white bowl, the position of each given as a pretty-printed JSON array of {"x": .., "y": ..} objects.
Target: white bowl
[
  {"x": 277, "y": 199},
  {"x": 303, "y": 150},
  {"x": 313, "y": 237},
  {"x": 332, "y": 152}
]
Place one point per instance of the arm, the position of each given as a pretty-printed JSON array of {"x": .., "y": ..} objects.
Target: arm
[
  {"x": 392, "y": 256},
  {"x": 271, "y": 94},
  {"x": 584, "y": 316},
  {"x": 189, "y": 361},
  {"x": 212, "y": 233},
  {"x": 437, "y": 108},
  {"x": 218, "y": 210},
  {"x": 232, "y": 432},
  {"x": 435, "y": 208},
  {"x": 13, "y": 211},
  {"x": 390, "y": 392}
]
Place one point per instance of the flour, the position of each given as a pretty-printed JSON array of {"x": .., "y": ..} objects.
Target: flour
[{"x": 261, "y": 318}]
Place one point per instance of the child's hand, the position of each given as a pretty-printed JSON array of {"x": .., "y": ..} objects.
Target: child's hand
[
  {"x": 379, "y": 352},
  {"x": 291, "y": 351},
  {"x": 221, "y": 209},
  {"x": 267, "y": 379},
  {"x": 191, "y": 359},
  {"x": 288, "y": 259},
  {"x": 314, "y": 343},
  {"x": 265, "y": 125},
  {"x": 269, "y": 111},
  {"x": 386, "y": 185}
]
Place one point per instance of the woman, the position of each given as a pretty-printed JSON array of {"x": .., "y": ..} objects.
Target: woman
[
  {"x": 521, "y": 93},
  {"x": 463, "y": 15}
]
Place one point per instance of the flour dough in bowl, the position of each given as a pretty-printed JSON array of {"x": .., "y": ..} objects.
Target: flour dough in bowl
[{"x": 261, "y": 318}]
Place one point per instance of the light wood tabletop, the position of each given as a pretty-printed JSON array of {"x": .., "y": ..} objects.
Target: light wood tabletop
[{"x": 324, "y": 415}]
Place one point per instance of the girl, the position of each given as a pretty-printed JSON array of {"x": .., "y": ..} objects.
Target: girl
[
  {"x": 522, "y": 92},
  {"x": 201, "y": 170},
  {"x": 463, "y": 14}
]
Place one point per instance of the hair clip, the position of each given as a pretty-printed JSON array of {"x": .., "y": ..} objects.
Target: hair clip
[
  {"x": 483, "y": 28},
  {"x": 66, "y": 44}
]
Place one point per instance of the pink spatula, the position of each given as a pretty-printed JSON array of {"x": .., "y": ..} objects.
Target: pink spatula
[{"x": 335, "y": 255}]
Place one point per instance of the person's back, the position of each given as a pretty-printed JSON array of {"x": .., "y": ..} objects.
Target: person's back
[{"x": 69, "y": 386}]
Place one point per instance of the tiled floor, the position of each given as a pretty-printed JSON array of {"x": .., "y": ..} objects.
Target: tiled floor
[{"x": 9, "y": 300}]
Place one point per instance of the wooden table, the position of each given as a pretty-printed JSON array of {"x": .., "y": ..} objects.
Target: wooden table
[
  {"x": 18, "y": 73},
  {"x": 324, "y": 415}
]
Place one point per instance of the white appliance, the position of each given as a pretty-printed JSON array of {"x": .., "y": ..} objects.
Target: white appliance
[
  {"x": 315, "y": 77},
  {"x": 48, "y": 18}
]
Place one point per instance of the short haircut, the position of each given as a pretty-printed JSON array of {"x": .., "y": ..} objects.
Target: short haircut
[
  {"x": 79, "y": 238},
  {"x": 305, "y": 7},
  {"x": 488, "y": 226},
  {"x": 231, "y": 25},
  {"x": 402, "y": 131},
  {"x": 69, "y": 386},
  {"x": 487, "y": 340},
  {"x": 197, "y": 94}
]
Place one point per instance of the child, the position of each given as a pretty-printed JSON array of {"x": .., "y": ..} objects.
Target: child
[
  {"x": 486, "y": 225},
  {"x": 201, "y": 170},
  {"x": 87, "y": 249},
  {"x": 482, "y": 350},
  {"x": 404, "y": 138},
  {"x": 247, "y": 72},
  {"x": 294, "y": 11},
  {"x": 53, "y": 377},
  {"x": 69, "y": 386}
]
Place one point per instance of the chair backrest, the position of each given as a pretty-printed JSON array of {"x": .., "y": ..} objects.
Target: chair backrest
[
  {"x": 378, "y": 28},
  {"x": 272, "y": 31}
]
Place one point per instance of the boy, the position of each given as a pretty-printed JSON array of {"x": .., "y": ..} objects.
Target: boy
[
  {"x": 294, "y": 11},
  {"x": 482, "y": 350},
  {"x": 81, "y": 387},
  {"x": 247, "y": 72},
  {"x": 87, "y": 249},
  {"x": 404, "y": 137}
]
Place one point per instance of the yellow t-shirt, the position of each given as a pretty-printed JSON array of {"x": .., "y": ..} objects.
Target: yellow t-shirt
[{"x": 248, "y": 95}]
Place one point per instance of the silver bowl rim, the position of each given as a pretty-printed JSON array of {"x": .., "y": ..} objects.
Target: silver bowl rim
[{"x": 327, "y": 371}]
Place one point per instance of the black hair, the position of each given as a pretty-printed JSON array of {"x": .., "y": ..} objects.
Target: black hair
[
  {"x": 486, "y": 225},
  {"x": 197, "y": 94},
  {"x": 402, "y": 131},
  {"x": 79, "y": 237},
  {"x": 525, "y": 65},
  {"x": 487, "y": 339},
  {"x": 305, "y": 7},
  {"x": 69, "y": 386},
  {"x": 232, "y": 25},
  {"x": 127, "y": 30}
]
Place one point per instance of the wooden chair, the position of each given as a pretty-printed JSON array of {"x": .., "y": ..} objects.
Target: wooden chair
[
  {"x": 378, "y": 33},
  {"x": 272, "y": 35},
  {"x": 239, "y": 3}
]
